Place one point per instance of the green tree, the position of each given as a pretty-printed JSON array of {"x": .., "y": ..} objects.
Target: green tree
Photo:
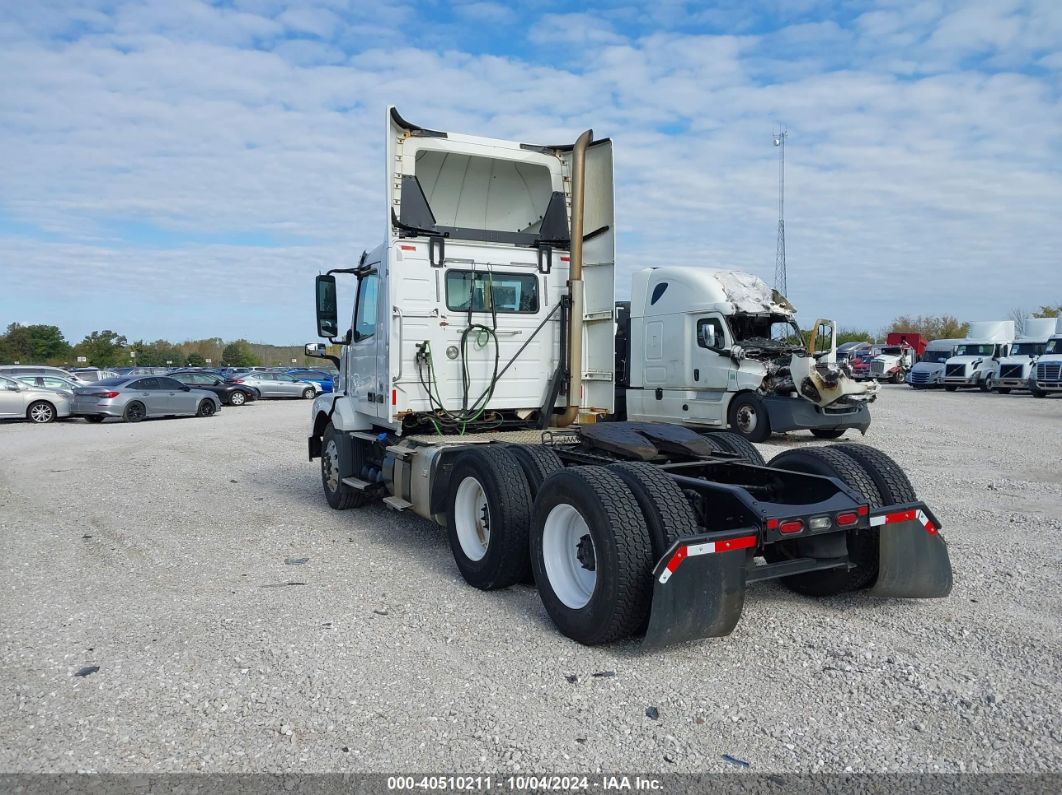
[
  {"x": 16, "y": 344},
  {"x": 1048, "y": 311},
  {"x": 102, "y": 348},
  {"x": 933, "y": 327},
  {"x": 853, "y": 335},
  {"x": 238, "y": 354},
  {"x": 195, "y": 360},
  {"x": 48, "y": 342}
]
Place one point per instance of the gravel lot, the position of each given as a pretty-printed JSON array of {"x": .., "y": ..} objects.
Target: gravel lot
[{"x": 167, "y": 553}]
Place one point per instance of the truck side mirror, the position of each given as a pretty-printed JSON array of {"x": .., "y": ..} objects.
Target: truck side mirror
[
  {"x": 327, "y": 311},
  {"x": 315, "y": 350}
]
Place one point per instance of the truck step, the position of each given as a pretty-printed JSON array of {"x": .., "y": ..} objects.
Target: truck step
[
  {"x": 400, "y": 452},
  {"x": 355, "y": 483},
  {"x": 365, "y": 437},
  {"x": 397, "y": 503}
]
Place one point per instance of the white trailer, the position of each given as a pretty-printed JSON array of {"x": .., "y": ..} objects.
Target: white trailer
[
  {"x": 1014, "y": 370},
  {"x": 479, "y": 357},
  {"x": 975, "y": 357}
]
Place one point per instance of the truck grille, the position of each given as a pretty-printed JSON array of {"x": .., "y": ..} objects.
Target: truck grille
[
  {"x": 955, "y": 371},
  {"x": 919, "y": 377},
  {"x": 877, "y": 368},
  {"x": 1049, "y": 371},
  {"x": 1011, "y": 370}
]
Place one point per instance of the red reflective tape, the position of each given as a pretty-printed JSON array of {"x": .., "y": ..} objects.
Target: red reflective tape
[
  {"x": 394, "y": 397},
  {"x": 863, "y": 510},
  {"x": 902, "y": 516},
  {"x": 565, "y": 259},
  {"x": 772, "y": 524},
  {"x": 677, "y": 558},
  {"x": 406, "y": 247},
  {"x": 743, "y": 542}
]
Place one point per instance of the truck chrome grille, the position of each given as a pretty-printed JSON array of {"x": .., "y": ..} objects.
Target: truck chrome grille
[
  {"x": 877, "y": 368},
  {"x": 1049, "y": 371},
  {"x": 1011, "y": 370},
  {"x": 955, "y": 371}
]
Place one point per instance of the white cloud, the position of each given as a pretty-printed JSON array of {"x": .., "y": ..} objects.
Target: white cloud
[{"x": 915, "y": 182}]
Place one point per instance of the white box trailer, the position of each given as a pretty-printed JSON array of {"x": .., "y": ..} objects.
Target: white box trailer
[{"x": 480, "y": 355}]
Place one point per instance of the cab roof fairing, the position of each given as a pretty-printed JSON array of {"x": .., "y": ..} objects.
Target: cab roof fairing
[{"x": 693, "y": 289}]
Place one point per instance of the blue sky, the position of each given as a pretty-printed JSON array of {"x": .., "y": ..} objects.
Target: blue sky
[{"x": 183, "y": 169}]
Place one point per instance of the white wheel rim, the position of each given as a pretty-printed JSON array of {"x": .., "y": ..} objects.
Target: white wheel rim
[
  {"x": 472, "y": 519},
  {"x": 747, "y": 419},
  {"x": 570, "y": 579},
  {"x": 237, "y": 398}
]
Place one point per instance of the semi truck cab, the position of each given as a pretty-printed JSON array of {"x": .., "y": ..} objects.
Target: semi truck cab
[
  {"x": 712, "y": 348},
  {"x": 929, "y": 371},
  {"x": 1047, "y": 374},
  {"x": 976, "y": 356},
  {"x": 1014, "y": 370}
]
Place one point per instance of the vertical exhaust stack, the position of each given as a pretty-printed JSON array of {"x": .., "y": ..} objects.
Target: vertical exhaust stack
[{"x": 575, "y": 283}]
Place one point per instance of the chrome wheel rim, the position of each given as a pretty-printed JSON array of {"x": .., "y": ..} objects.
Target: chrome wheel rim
[
  {"x": 41, "y": 413},
  {"x": 330, "y": 465},
  {"x": 747, "y": 419},
  {"x": 472, "y": 518},
  {"x": 237, "y": 399}
]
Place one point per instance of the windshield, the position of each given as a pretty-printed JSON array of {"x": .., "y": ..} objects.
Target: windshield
[
  {"x": 112, "y": 381},
  {"x": 766, "y": 331},
  {"x": 893, "y": 350},
  {"x": 1028, "y": 348},
  {"x": 937, "y": 357},
  {"x": 1054, "y": 346},
  {"x": 970, "y": 349}
]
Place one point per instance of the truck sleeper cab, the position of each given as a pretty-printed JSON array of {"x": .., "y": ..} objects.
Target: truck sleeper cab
[
  {"x": 475, "y": 345},
  {"x": 1046, "y": 375},
  {"x": 975, "y": 357},
  {"x": 1015, "y": 370}
]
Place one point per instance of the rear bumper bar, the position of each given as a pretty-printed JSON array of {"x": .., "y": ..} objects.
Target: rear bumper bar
[{"x": 699, "y": 584}]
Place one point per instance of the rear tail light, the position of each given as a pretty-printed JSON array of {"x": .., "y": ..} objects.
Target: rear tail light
[
  {"x": 863, "y": 510},
  {"x": 104, "y": 394},
  {"x": 791, "y": 526},
  {"x": 847, "y": 519},
  {"x": 235, "y": 380}
]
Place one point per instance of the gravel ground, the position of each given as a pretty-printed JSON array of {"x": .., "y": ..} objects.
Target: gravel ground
[{"x": 170, "y": 554}]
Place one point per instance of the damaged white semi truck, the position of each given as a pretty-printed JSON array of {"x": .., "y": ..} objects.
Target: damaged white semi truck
[{"x": 481, "y": 355}]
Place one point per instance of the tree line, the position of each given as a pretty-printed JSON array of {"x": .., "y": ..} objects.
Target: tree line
[{"x": 45, "y": 344}]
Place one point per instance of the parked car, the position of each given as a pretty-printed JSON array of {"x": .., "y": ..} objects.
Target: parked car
[
  {"x": 859, "y": 362},
  {"x": 93, "y": 374},
  {"x": 229, "y": 393},
  {"x": 278, "y": 385},
  {"x": 319, "y": 377},
  {"x": 19, "y": 400},
  {"x": 18, "y": 370},
  {"x": 65, "y": 385},
  {"x": 139, "y": 397}
]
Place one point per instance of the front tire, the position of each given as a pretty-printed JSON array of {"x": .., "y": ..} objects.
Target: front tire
[
  {"x": 237, "y": 398},
  {"x": 591, "y": 555},
  {"x": 1036, "y": 391},
  {"x": 748, "y": 417},
  {"x": 487, "y": 518},
  {"x": 1003, "y": 390},
  {"x": 134, "y": 412},
  {"x": 206, "y": 408},
  {"x": 309, "y": 393},
  {"x": 828, "y": 433},
  {"x": 41, "y": 411},
  {"x": 950, "y": 387},
  {"x": 340, "y": 496}
]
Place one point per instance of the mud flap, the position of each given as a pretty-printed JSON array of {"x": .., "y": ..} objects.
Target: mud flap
[
  {"x": 914, "y": 560},
  {"x": 699, "y": 587}
]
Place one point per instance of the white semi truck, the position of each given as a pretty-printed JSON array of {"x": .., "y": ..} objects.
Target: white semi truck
[
  {"x": 480, "y": 355},
  {"x": 975, "y": 357},
  {"x": 1013, "y": 370},
  {"x": 928, "y": 372},
  {"x": 1046, "y": 376}
]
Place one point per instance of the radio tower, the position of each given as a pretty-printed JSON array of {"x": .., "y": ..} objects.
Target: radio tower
[{"x": 779, "y": 257}]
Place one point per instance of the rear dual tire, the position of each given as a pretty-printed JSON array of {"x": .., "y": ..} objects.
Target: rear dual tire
[
  {"x": 735, "y": 444},
  {"x": 867, "y": 471}
]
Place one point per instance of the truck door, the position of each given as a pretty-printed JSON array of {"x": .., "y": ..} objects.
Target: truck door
[
  {"x": 710, "y": 369},
  {"x": 365, "y": 384}
]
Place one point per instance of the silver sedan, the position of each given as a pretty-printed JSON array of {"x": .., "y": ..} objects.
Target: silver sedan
[
  {"x": 139, "y": 397},
  {"x": 31, "y": 402},
  {"x": 277, "y": 385}
]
